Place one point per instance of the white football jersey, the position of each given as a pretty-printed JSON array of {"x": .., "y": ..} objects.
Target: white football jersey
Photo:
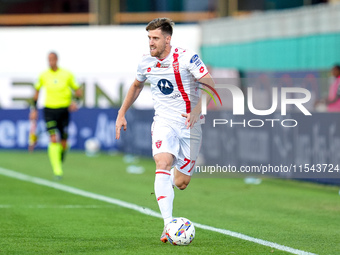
[{"x": 173, "y": 82}]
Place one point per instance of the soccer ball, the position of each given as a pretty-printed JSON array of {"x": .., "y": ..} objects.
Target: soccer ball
[
  {"x": 92, "y": 146},
  {"x": 180, "y": 231}
]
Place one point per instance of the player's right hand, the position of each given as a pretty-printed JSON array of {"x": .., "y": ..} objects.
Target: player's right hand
[
  {"x": 73, "y": 107},
  {"x": 120, "y": 122},
  {"x": 33, "y": 114}
]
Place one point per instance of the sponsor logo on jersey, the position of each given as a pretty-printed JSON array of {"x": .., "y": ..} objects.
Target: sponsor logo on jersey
[
  {"x": 149, "y": 69},
  {"x": 165, "y": 86},
  {"x": 158, "y": 144},
  {"x": 159, "y": 65},
  {"x": 201, "y": 69},
  {"x": 196, "y": 59},
  {"x": 175, "y": 96}
]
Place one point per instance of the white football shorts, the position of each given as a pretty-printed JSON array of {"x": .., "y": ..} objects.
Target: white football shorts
[{"x": 176, "y": 139}]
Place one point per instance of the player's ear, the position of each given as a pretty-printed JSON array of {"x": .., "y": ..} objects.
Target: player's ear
[{"x": 168, "y": 39}]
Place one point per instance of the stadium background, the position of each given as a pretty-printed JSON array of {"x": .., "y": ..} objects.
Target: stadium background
[
  {"x": 260, "y": 45},
  {"x": 250, "y": 43}
]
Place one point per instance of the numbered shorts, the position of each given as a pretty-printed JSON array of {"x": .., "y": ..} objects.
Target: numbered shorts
[
  {"x": 179, "y": 141},
  {"x": 57, "y": 119}
]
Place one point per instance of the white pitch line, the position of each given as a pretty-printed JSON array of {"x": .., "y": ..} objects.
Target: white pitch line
[
  {"x": 143, "y": 210},
  {"x": 55, "y": 206}
]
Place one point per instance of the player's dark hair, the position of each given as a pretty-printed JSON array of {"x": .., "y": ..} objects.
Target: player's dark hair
[
  {"x": 337, "y": 66},
  {"x": 54, "y": 53},
  {"x": 165, "y": 24}
]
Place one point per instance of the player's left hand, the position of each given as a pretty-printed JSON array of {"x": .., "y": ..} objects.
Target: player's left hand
[
  {"x": 191, "y": 119},
  {"x": 33, "y": 114},
  {"x": 73, "y": 107}
]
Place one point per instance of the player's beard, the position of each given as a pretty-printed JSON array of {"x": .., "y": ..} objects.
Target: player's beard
[{"x": 158, "y": 51}]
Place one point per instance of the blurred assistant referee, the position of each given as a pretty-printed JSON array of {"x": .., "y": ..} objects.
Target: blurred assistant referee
[{"x": 58, "y": 84}]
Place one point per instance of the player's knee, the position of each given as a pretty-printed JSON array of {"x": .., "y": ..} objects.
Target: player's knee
[{"x": 163, "y": 165}]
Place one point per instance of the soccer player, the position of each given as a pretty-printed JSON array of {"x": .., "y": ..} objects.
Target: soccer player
[
  {"x": 333, "y": 100},
  {"x": 58, "y": 84},
  {"x": 176, "y": 131}
]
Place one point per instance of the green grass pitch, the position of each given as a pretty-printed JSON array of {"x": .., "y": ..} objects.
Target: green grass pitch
[{"x": 41, "y": 220}]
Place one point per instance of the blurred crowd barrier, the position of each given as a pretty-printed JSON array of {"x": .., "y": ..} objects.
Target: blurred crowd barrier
[
  {"x": 316, "y": 82},
  {"x": 237, "y": 141},
  {"x": 103, "y": 59},
  {"x": 262, "y": 83},
  {"x": 300, "y": 38},
  {"x": 309, "y": 150},
  {"x": 85, "y": 124}
]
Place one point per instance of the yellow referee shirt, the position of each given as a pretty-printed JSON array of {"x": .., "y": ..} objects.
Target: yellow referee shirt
[{"x": 58, "y": 85}]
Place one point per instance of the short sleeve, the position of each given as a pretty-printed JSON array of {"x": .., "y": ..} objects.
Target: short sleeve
[
  {"x": 73, "y": 83},
  {"x": 140, "y": 76},
  {"x": 195, "y": 65},
  {"x": 39, "y": 83}
]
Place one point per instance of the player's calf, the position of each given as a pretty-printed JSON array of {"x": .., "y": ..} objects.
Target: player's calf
[
  {"x": 181, "y": 186},
  {"x": 180, "y": 180}
]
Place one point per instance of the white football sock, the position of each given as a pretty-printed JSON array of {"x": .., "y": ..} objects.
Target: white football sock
[
  {"x": 172, "y": 176},
  {"x": 164, "y": 194}
]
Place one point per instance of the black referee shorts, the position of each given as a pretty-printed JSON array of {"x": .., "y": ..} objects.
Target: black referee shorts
[{"x": 57, "y": 119}]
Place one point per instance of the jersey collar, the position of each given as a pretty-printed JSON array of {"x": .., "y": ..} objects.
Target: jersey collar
[
  {"x": 170, "y": 53},
  {"x": 51, "y": 70}
]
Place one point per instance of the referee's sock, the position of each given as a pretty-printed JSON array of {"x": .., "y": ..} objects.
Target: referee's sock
[
  {"x": 54, "y": 153},
  {"x": 63, "y": 153},
  {"x": 164, "y": 194}
]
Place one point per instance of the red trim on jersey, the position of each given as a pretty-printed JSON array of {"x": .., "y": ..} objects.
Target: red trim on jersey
[
  {"x": 178, "y": 78},
  {"x": 162, "y": 172},
  {"x": 160, "y": 197},
  {"x": 203, "y": 75}
]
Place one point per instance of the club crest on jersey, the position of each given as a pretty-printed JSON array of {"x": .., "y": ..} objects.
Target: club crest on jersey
[
  {"x": 159, "y": 65},
  {"x": 165, "y": 86},
  {"x": 195, "y": 59},
  {"x": 175, "y": 65},
  {"x": 158, "y": 144}
]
